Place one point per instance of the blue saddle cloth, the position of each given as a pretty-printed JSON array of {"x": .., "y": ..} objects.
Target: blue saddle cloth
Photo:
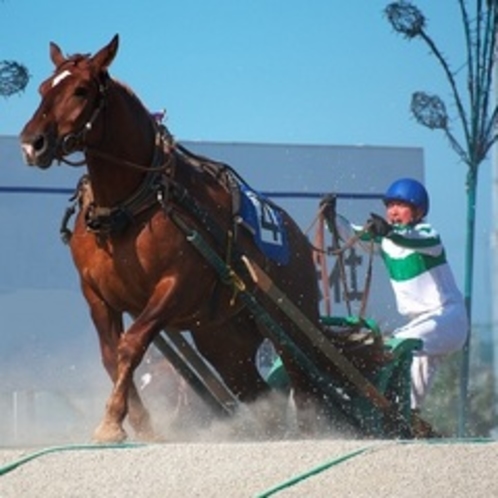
[{"x": 265, "y": 223}]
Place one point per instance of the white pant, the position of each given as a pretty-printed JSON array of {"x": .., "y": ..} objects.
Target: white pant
[
  {"x": 442, "y": 332},
  {"x": 423, "y": 372}
]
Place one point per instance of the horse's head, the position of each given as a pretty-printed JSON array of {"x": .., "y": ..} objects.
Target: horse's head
[{"x": 71, "y": 100}]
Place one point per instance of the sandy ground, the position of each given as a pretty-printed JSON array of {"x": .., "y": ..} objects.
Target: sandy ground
[
  {"x": 233, "y": 458},
  {"x": 323, "y": 468}
]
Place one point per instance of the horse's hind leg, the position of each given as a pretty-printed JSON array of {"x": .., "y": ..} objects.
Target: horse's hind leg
[
  {"x": 232, "y": 348},
  {"x": 139, "y": 416}
]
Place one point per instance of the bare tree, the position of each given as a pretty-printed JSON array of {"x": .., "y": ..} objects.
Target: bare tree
[
  {"x": 477, "y": 119},
  {"x": 13, "y": 77}
]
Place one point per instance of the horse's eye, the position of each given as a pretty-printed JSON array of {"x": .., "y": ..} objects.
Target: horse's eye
[{"x": 80, "y": 91}]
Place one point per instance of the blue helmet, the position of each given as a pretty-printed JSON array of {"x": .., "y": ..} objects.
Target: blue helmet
[{"x": 408, "y": 190}]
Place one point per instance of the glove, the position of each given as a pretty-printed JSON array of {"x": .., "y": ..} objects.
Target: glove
[
  {"x": 327, "y": 206},
  {"x": 378, "y": 226}
]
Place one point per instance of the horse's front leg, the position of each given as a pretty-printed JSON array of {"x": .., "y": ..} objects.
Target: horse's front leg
[
  {"x": 124, "y": 399},
  {"x": 130, "y": 351},
  {"x": 109, "y": 325}
]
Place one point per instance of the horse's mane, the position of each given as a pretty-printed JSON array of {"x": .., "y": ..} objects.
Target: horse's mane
[
  {"x": 77, "y": 57},
  {"x": 129, "y": 91}
]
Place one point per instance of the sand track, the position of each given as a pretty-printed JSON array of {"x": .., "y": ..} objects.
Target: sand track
[{"x": 324, "y": 468}]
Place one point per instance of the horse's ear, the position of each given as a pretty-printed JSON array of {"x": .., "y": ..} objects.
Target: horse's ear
[
  {"x": 56, "y": 54},
  {"x": 104, "y": 57}
]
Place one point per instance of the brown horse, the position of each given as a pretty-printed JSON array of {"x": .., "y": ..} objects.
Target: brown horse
[{"x": 131, "y": 244}]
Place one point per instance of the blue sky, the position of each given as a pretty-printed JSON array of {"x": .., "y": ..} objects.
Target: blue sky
[{"x": 318, "y": 72}]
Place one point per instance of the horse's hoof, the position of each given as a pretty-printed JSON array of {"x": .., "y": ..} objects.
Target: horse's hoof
[
  {"x": 147, "y": 436},
  {"x": 143, "y": 429},
  {"x": 109, "y": 433},
  {"x": 150, "y": 437}
]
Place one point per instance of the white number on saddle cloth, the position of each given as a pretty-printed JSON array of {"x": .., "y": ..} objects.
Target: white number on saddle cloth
[
  {"x": 269, "y": 228},
  {"x": 265, "y": 222}
]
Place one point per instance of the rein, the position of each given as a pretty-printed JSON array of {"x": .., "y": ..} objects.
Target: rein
[
  {"x": 320, "y": 253},
  {"x": 161, "y": 144}
]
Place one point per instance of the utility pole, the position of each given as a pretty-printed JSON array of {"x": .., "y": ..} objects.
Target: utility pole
[{"x": 494, "y": 254}]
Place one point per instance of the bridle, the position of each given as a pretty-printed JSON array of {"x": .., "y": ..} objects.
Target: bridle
[{"x": 75, "y": 141}]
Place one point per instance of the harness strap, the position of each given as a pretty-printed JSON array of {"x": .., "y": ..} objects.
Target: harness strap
[
  {"x": 320, "y": 257},
  {"x": 102, "y": 219},
  {"x": 226, "y": 273},
  {"x": 173, "y": 191}
]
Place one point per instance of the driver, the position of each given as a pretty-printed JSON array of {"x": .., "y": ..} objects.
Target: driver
[{"x": 423, "y": 283}]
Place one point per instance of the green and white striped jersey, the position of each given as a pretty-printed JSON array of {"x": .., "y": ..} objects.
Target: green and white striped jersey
[{"x": 416, "y": 262}]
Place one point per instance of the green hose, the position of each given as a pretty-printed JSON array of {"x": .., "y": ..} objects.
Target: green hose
[
  {"x": 57, "y": 449},
  {"x": 324, "y": 466},
  {"x": 312, "y": 472}
]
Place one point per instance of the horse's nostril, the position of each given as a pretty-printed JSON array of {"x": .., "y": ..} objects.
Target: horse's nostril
[{"x": 39, "y": 143}]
